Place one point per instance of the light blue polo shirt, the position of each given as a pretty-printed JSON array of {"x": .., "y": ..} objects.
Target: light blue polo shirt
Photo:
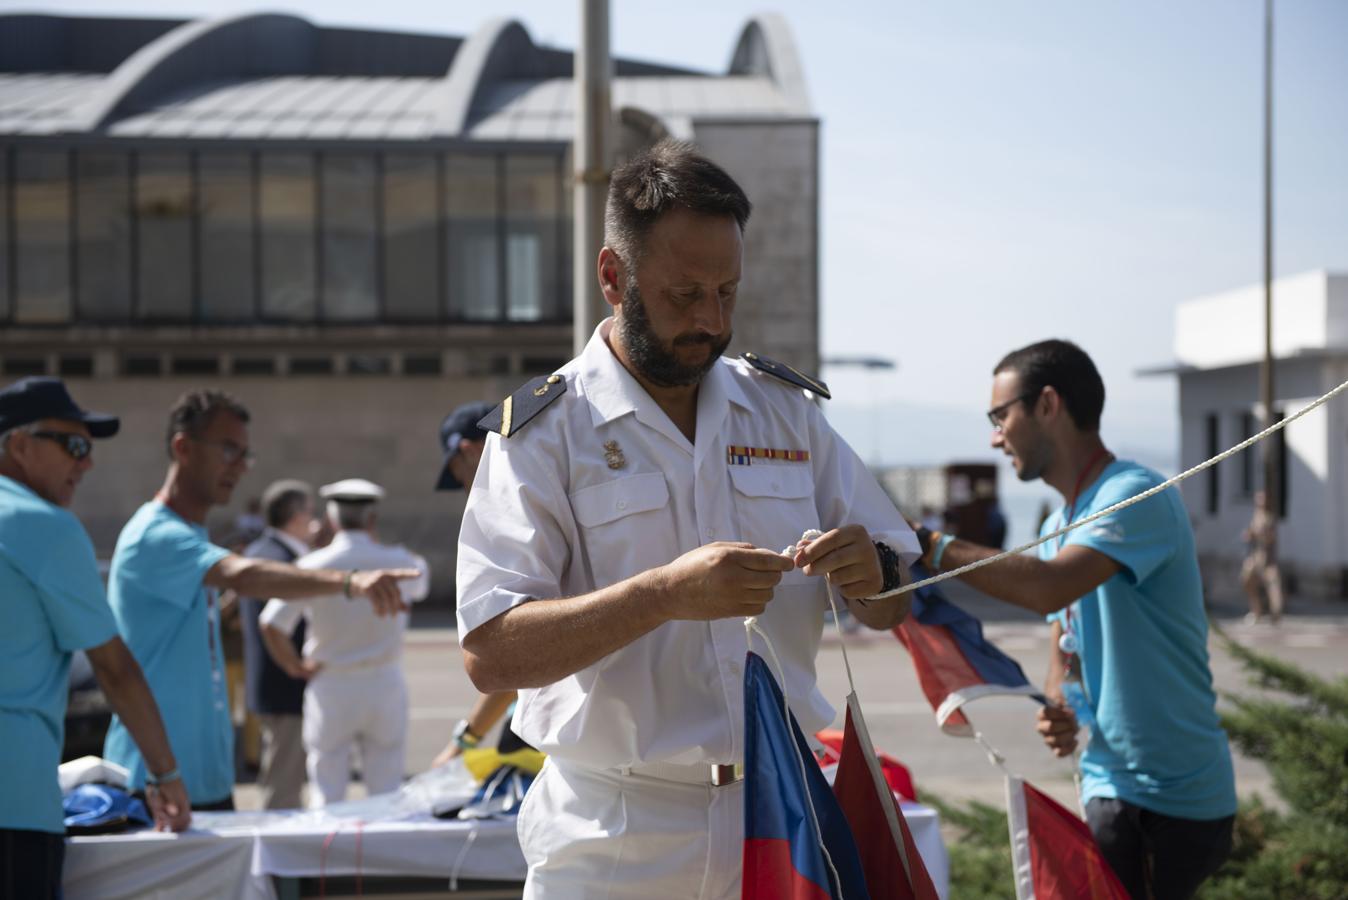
[
  {"x": 171, "y": 622},
  {"x": 53, "y": 603},
  {"x": 1157, "y": 741}
]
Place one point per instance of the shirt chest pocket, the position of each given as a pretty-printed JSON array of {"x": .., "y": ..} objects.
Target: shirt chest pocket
[
  {"x": 774, "y": 504},
  {"x": 626, "y": 525}
]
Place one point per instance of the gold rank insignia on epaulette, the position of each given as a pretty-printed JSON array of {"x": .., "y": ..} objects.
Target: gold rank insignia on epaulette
[
  {"x": 789, "y": 375},
  {"x": 520, "y": 407}
]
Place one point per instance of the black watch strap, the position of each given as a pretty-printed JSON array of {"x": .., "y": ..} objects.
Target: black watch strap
[
  {"x": 891, "y": 567},
  {"x": 924, "y": 539}
]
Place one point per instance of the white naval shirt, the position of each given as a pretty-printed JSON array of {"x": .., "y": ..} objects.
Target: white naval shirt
[
  {"x": 548, "y": 516},
  {"x": 345, "y": 633}
]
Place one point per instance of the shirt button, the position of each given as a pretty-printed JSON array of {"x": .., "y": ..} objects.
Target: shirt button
[
  {"x": 622, "y": 504},
  {"x": 711, "y": 532},
  {"x": 734, "y": 668},
  {"x": 776, "y": 486}
]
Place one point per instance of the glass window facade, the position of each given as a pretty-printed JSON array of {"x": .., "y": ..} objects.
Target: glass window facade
[
  {"x": 226, "y": 210},
  {"x": 122, "y": 233},
  {"x": 41, "y": 237},
  {"x": 103, "y": 241},
  {"x": 164, "y": 223},
  {"x": 473, "y": 233},
  {"x": 412, "y": 289},
  {"x": 287, "y": 207},
  {"x": 350, "y": 232}
]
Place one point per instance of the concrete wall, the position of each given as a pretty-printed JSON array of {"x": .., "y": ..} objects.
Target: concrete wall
[
  {"x": 777, "y": 164},
  {"x": 1312, "y": 539}
]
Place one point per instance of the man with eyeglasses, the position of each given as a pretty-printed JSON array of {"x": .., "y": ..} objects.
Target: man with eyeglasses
[
  {"x": 1125, "y": 605},
  {"x": 166, "y": 575},
  {"x": 54, "y": 604}
]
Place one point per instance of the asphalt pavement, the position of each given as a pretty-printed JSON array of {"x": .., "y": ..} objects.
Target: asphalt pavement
[{"x": 1314, "y": 635}]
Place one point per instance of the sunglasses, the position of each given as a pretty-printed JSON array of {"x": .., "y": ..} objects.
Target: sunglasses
[{"x": 76, "y": 445}]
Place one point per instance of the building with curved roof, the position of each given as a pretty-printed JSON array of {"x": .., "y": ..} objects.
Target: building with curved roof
[{"x": 352, "y": 230}]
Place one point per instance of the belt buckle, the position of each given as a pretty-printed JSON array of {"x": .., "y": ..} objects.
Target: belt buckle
[{"x": 725, "y": 775}]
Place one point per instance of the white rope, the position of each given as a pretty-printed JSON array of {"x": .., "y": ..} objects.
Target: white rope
[
  {"x": 750, "y": 628},
  {"x": 978, "y": 564}
]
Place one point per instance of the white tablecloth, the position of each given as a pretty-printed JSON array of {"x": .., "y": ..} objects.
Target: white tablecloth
[
  {"x": 235, "y": 855},
  {"x": 231, "y": 862}
]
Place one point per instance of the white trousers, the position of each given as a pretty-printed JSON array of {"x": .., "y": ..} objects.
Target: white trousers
[
  {"x": 365, "y": 711},
  {"x": 598, "y": 835}
]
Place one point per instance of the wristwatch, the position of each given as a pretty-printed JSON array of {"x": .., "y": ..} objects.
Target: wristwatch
[
  {"x": 464, "y": 737},
  {"x": 891, "y": 567},
  {"x": 924, "y": 539}
]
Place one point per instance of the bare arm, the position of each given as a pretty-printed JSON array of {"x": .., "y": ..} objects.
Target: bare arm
[
  {"x": 1041, "y": 586},
  {"x": 124, "y": 685},
  {"x": 282, "y": 651},
  {"x": 543, "y": 641},
  {"x": 266, "y": 578},
  {"x": 1056, "y": 722}
]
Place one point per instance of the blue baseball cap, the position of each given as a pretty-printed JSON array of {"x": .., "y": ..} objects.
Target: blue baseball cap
[
  {"x": 459, "y": 425},
  {"x": 39, "y": 397}
]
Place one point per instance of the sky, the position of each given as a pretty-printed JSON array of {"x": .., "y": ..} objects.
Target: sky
[{"x": 995, "y": 173}]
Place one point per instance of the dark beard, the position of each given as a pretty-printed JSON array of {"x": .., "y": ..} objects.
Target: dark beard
[{"x": 652, "y": 361}]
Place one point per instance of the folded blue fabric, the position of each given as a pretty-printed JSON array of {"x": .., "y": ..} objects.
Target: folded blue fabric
[{"x": 100, "y": 808}]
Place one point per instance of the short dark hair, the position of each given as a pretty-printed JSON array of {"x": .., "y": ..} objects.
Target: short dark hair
[
  {"x": 1068, "y": 370},
  {"x": 666, "y": 176},
  {"x": 193, "y": 412},
  {"x": 283, "y": 500}
]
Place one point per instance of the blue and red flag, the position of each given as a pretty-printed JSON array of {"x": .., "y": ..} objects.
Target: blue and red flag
[
  {"x": 955, "y": 663},
  {"x": 797, "y": 843}
]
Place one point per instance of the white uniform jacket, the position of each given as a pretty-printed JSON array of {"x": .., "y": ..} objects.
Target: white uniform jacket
[
  {"x": 346, "y": 633},
  {"x": 602, "y": 486}
]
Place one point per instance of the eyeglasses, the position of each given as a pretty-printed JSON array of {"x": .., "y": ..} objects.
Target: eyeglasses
[
  {"x": 76, "y": 445},
  {"x": 997, "y": 415},
  {"x": 231, "y": 452}
]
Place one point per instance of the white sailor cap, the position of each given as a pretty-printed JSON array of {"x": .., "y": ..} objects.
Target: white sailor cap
[{"x": 352, "y": 490}]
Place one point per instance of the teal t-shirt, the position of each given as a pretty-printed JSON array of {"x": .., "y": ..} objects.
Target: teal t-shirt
[
  {"x": 171, "y": 622},
  {"x": 53, "y": 604},
  {"x": 1143, "y": 636}
]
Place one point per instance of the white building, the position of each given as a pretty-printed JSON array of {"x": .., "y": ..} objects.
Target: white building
[{"x": 1219, "y": 343}]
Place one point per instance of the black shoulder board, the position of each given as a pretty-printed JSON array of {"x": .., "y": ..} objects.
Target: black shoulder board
[
  {"x": 788, "y": 374},
  {"x": 517, "y": 409}
]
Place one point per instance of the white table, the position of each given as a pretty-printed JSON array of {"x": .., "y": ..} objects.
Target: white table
[
  {"x": 237, "y": 855},
  {"x": 240, "y": 861}
]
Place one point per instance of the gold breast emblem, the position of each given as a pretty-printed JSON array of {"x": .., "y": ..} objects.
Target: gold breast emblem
[{"x": 613, "y": 455}]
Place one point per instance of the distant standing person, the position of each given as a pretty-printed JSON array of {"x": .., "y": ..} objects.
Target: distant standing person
[
  {"x": 463, "y": 442},
  {"x": 1260, "y": 575},
  {"x": 54, "y": 604},
  {"x": 1125, "y": 603},
  {"x": 356, "y": 698},
  {"x": 276, "y": 698},
  {"x": 163, "y": 588}
]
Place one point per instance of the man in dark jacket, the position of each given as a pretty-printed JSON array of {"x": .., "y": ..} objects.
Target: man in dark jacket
[{"x": 273, "y": 696}]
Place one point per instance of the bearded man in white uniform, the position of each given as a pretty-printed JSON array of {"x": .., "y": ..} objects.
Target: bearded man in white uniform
[
  {"x": 629, "y": 511},
  {"x": 356, "y": 697}
]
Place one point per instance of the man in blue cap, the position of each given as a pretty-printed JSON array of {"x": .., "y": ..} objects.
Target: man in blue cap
[
  {"x": 463, "y": 441},
  {"x": 55, "y": 604}
]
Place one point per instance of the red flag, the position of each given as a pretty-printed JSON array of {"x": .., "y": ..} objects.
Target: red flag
[
  {"x": 900, "y": 780},
  {"x": 893, "y": 867},
  {"x": 1053, "y": 852}
]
